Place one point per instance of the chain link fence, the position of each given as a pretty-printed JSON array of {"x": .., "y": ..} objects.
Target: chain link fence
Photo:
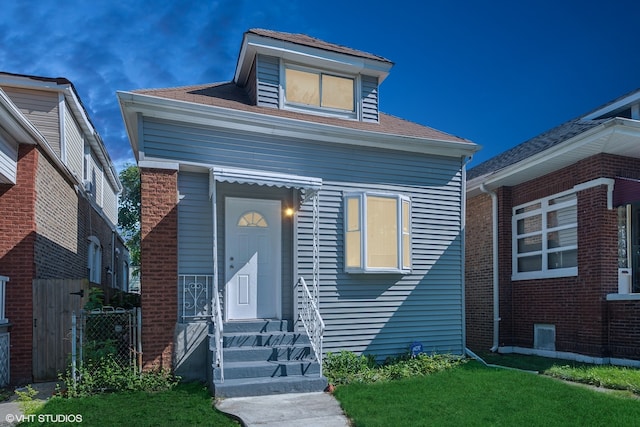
[{"x": 105, "y": 334}]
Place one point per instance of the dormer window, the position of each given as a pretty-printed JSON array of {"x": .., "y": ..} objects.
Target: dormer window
[{"x": 320, "y": 91}]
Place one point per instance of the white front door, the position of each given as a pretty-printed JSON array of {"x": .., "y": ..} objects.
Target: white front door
[{"x": 252, "y": 264}]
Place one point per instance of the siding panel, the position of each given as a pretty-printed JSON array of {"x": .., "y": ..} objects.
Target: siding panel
[
  {"x": 8, "y": 161},
  {"x": 195, "y": 227},
  {"x": 74, "y": 144},
  {"x": 268, "y": 76},
  {"x": 41, "y": 108},
  {"x": 369, "y": 99}
]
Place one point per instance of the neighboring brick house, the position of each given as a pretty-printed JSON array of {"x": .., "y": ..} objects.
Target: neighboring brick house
[
  {"x": 291, "y": 175},
  {"x": 553, "y": 241},
  {"x": 58, "y": 208}
]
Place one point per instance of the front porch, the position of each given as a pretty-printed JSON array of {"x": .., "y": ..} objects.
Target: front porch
[{"x": 247, "y": 357}]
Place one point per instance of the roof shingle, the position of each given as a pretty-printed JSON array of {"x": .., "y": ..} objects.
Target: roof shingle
[
  {"x": 305, "y": 40},
  {"x": 228, "y": 95},
  {"x": 533, "y": 146}
]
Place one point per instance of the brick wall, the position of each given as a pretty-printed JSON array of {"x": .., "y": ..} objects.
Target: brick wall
[
  {"x": 479, "y": 274},
  {"x": 576, "y": 305},
  {"x": 44, "y": 226},
  {"x": 59, "y": 243},
  {"x": 159, "y": 265},
  {"x": 624, "y": 333},
  {"x": 17, "y": 228}
]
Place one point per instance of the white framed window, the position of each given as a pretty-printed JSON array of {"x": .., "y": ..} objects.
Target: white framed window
[
  {"x": 94, "y": 260},
  {"x": 377, "y": 230},
  {"x": 545, "y": 238},
  {"x": 314, "y": 90}
]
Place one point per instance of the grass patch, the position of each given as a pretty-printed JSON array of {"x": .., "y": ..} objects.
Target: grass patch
[
  {"x": 608, "y": 376},
  {"x": 185, "y": 405},
  {"x": 474, "y": 395}
]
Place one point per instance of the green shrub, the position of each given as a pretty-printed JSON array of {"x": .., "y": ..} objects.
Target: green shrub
[
  {"x": 346, "y": 367},
  {"x": 107, "y": 375}
]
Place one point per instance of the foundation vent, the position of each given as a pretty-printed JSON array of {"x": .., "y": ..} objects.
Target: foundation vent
[{"x": 544, "y": 337}]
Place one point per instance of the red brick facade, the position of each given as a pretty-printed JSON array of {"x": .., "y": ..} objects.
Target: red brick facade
[
  {"x": 586, "y": 323},
  {"x": 44, "y": 224},
  {"x": 159, "y": 261},
  {"x": 17, "y": 228}
]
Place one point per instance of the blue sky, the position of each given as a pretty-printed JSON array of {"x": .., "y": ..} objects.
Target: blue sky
[{"x": 497, "y": 73}]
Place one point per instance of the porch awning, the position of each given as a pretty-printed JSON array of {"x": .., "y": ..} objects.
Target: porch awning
[
  {"x": 270, "y": 179},
  {"x": 626, "y": 191}
]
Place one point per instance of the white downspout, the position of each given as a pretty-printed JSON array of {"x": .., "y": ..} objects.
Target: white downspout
[{"x": 494, "y": 251}]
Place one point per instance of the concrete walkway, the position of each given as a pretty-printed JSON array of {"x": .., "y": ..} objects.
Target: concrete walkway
[
  {"x": 286, "y": 410},
  {"x": 10, "y": 411}
]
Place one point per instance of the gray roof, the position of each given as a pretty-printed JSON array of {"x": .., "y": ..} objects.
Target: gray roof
[
  {"x": 228, "y": 95},
  {"x": 305, "y": 40},
  {"x": 533, "y": 146}
]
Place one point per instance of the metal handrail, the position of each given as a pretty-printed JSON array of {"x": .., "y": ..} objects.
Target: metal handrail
[
  {"x": 219, "y": 329},
  {"x": 312, "y": 321}
]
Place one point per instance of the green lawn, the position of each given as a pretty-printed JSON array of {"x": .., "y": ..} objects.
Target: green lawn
[
  {"x": 185, "y": 405},
  {"x": 474, "y": 395}
]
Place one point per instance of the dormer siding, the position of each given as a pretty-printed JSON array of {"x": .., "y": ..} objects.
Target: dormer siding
[
  {"x": 268, "y": 81},
  {"x": 264, "y": 88},
  {"x": 369, "y": 99}
]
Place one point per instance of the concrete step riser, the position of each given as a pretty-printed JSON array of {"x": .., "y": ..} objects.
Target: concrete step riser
[
  {"x": 272, "y": 354},
  {"x": 270, "y": 386},
  {"x": 274, "y": 370},
  {"x": 264, "y": 340},
  {"x": 257, "y": 326}
]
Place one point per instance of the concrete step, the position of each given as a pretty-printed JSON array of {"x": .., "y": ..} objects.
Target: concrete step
[
  {"x": 276, "y": 353},
  {"x": 266, "y": 339},
  {"x": 265, "y": 386},
  {"x": 265, "y": 369},
  {"x": 258, "y": 326}
]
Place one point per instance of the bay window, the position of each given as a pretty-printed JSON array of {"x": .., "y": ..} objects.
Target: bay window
[{"x": 377, "y": 233}]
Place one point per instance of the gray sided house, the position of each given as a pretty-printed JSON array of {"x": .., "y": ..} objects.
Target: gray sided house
[{"x": 284, "y": 216}]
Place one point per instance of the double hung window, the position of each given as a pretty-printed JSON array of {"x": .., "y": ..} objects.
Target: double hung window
[
  {"x": 377, "y": 233},
  {"x": 545, "y": 238}
]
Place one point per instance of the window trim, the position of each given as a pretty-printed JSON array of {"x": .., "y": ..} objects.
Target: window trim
[
  {"x": 94, "y": 260},
  {"x": 400, "y": 199},
  {"x": 545, "y": 208},
  {"x": 324, "y": 111}
]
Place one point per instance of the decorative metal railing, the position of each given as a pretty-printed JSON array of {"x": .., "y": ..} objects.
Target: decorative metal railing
[
  {"x": 196, "y": 294},
  {"x": 312, "y": 321},
  {"x": 218, "y": 330}
]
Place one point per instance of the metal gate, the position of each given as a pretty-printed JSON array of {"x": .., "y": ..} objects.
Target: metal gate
[{"x": 106, "y": 332}]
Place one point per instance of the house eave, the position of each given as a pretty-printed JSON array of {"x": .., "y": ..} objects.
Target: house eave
[
  {"x": 254, "y": 44},
  {"x": 133, "y": 104},
  {"x": 16, "y": 125},
  {"x": 66, "y": 88},
  {"x": 618, "y": 136}
]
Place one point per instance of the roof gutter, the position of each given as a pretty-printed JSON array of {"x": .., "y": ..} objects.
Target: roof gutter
[
  {"x": 494, "y": 252},
  {"x": 493, "y": 179}
]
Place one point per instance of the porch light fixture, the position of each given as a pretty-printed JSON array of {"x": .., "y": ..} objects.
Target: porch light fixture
[{"x": 289, "y": 212}]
